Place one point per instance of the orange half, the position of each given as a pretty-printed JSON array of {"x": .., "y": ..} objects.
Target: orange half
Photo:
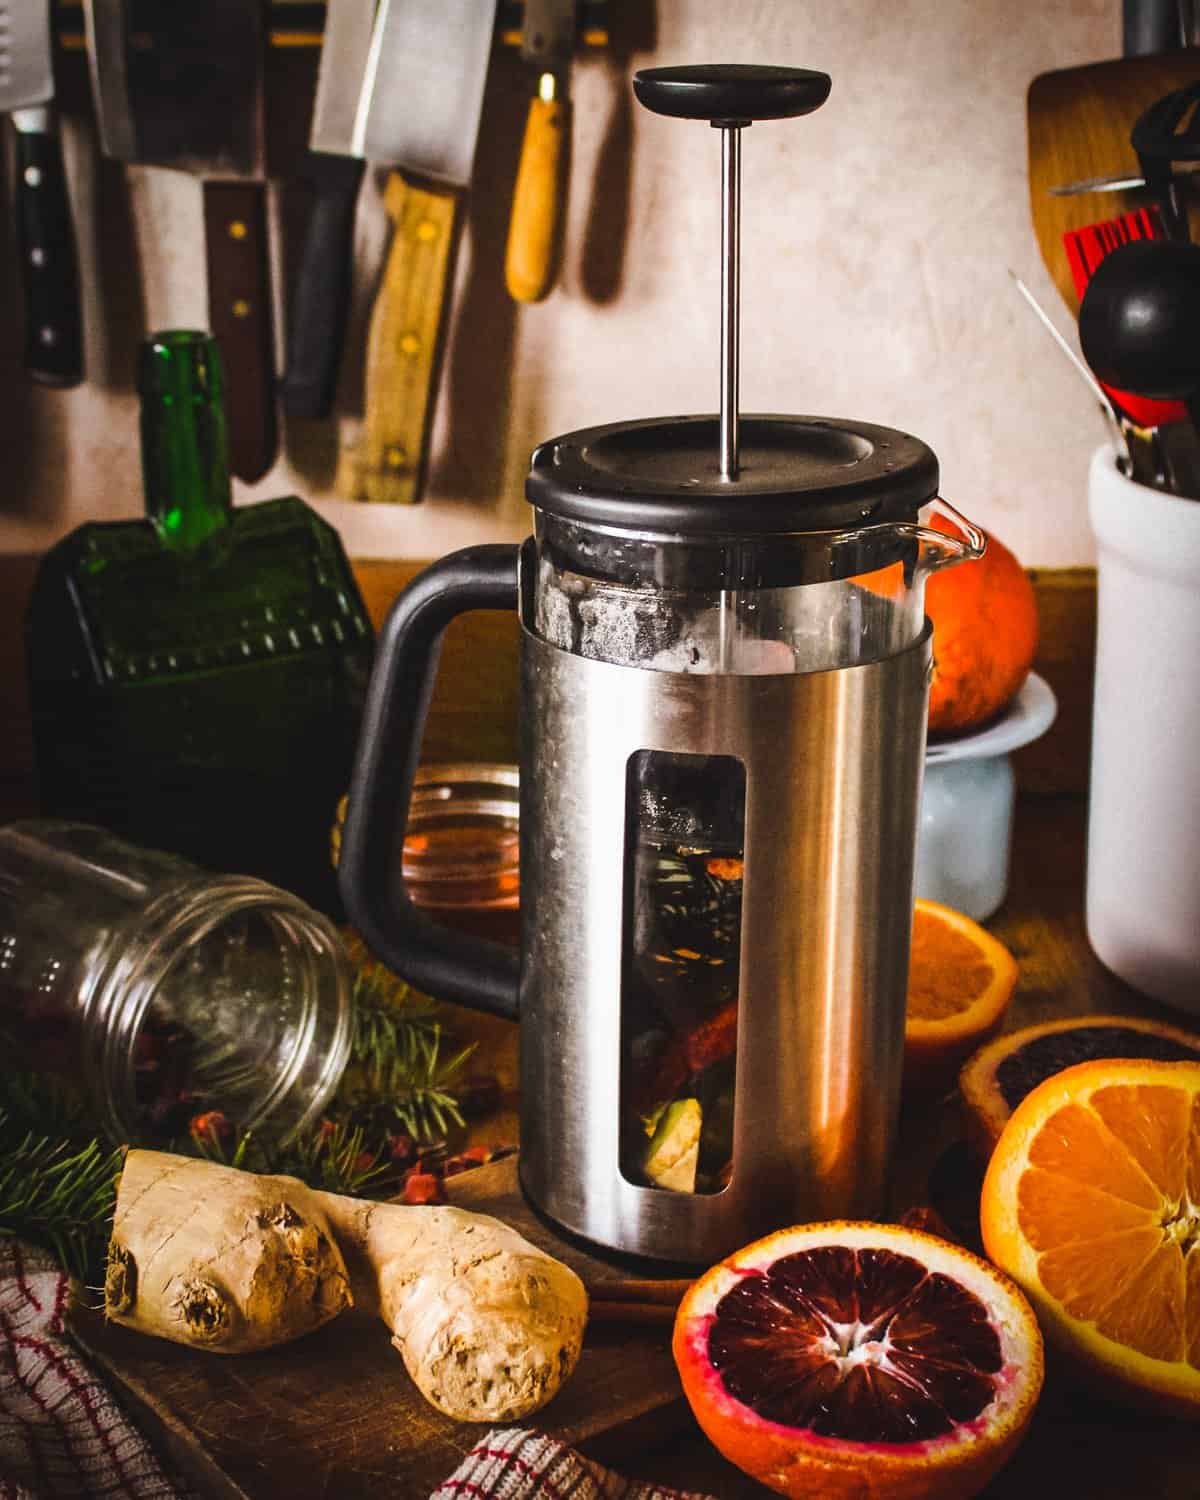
[
  {"x": 1092, "y": 1204},
  {"x": 960, "y": 980}
]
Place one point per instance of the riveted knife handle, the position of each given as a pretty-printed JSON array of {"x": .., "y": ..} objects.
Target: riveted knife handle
[
  {"x": 321, "y": 296},
  {"x": 46, "y": 241},
  {"x": 239, "y": 314},
  {"x": 404, "y": 346},
  {"x": 539, "y": 201}
]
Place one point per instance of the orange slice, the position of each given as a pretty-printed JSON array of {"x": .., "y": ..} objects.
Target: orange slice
[
  {"x": 960, "y": 980},
  {"x": 995, "y": 1079},
  {"x": 1092, "y": 1204}
]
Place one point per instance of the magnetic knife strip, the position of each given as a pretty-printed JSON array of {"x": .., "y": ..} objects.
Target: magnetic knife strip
[{"x": 299, "y": 23}]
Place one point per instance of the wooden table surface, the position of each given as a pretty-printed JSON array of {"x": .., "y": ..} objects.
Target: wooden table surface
[{"x": 1077, "y": 1446}]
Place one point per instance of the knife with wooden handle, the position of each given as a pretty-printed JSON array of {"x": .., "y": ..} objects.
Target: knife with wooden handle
[
  {"x": 535, "y": 230},
  {"x": 239, "y": 315},
  {"x": 402, "y": 85},
  {"x": 403, "y": 345},
  {"x": 535, "y": 227},
  {"x": 181, "y": 86}
]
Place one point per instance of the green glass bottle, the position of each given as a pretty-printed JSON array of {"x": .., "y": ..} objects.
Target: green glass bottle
[{"x": 197, "y": 677}]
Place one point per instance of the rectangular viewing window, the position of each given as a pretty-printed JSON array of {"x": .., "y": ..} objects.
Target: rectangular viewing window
[{"x": 684, "y": 849}]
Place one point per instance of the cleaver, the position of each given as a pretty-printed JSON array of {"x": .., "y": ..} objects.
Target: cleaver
[
  {"x": 178, "y": 85},
  {"x": 401, "y": 84}
]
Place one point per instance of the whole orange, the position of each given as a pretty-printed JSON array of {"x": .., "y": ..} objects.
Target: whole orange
[{"x": 985, "y": 631}]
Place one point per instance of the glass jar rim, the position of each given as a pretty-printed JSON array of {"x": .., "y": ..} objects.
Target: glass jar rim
[{"x": 138, "y": 957}]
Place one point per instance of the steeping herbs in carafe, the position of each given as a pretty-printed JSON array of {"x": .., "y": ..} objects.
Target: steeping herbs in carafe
[
  {"x": 197, "y": 676},
  {"x": 685, "y": 848}
]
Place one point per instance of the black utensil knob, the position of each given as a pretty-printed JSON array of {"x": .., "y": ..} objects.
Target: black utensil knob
[
  {"x": 1139, "y": 319},
  {"x": 731, "y": 93}
]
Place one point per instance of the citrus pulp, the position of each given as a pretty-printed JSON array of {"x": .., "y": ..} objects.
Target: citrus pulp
[
  {"x": 1001, "y": 1073},
  {"x": 865, "y": 1360},
  {"x": 1092, "y": 1203},
  {"x": 960, "y": 980}
]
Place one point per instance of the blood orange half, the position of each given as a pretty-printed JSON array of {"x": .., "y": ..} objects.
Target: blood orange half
[{"x": 863, "y": 1360}]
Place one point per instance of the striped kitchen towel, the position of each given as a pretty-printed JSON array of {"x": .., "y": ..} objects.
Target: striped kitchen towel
[
  {"x": 62, "y": 1437},
  {"x": 515, "y": 1463}
]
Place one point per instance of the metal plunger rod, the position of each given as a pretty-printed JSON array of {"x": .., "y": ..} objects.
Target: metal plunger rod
[{"x": 731, "y": 208}]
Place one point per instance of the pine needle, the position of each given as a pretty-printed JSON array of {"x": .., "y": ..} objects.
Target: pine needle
[
  {"x": 58, "y": 1181},
  {"x": 57, "y": 1195},
  {"x": 398, "y": 1079}
]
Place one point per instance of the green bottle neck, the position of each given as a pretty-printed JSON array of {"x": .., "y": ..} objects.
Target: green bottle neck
[{"x": 185, "y": 448}]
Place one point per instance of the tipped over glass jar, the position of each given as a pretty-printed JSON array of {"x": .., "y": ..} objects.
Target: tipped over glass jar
[{"x": 164, "y": 990}]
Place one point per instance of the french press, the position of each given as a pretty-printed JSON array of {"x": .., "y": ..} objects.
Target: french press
[{"x": 724, "y": 684}]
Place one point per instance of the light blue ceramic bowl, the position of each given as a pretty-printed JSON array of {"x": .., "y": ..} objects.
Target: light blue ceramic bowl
[{"x": 964, "y": 837}]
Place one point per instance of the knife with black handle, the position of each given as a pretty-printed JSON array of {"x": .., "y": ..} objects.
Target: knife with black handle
[
  {"x": 46, "y": 242},
  {"x": 45, "y": 238},
  {"x": 320, "y": 300}
]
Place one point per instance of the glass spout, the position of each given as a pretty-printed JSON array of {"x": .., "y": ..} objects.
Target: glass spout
[{"x": 936, "y": 549}]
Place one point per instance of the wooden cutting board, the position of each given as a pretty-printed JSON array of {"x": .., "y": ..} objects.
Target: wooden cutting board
[
  {"x": 335, "y": 1415},
  {"x": 1079, "y": 121}
]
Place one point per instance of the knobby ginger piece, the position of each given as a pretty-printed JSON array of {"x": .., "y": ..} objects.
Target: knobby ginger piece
[
  {"x": 488, "y": 1325},
  {"x": 222, "y": 1259}
]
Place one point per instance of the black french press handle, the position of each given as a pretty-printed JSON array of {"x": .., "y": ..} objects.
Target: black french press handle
[{"x": 447, "y": 964}]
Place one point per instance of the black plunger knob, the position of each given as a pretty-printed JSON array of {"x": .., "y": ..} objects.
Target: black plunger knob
[{"x": 731, "y": 93}]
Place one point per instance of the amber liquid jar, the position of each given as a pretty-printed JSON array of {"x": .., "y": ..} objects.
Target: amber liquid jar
[{"x": 460, "y": 861}]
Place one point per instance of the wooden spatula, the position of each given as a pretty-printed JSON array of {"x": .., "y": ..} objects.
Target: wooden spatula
[{"x": 1079, "y": 121}]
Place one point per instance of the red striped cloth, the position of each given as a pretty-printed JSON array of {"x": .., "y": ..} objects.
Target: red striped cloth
[
  {"x": 516, "y": 1463},
  {"x": 62, "y": 1437}
]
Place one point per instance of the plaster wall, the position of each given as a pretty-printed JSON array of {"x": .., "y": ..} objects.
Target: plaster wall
[{"x": 878, "y": 235}]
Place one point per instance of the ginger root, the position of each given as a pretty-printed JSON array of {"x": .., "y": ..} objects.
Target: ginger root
[
  {"x": 225, "y": 1260},
  {"x": 488, "y": 1325}
]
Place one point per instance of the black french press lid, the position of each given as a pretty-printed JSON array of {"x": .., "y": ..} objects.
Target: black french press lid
[{"x": 707, "y": 476}]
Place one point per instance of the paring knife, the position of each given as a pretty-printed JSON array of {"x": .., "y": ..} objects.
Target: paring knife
[
  {"x": 539, "y": 199},
  {"x": 408, "y": 92},
  {"x": 189, "y": 96},
  {"x": 45, "y": 236}
]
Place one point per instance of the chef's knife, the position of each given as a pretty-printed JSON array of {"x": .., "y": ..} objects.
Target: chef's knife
[
  {"x": 320, "y": 300},
  {"x": 188, "y": 95},
  {"x": 539, "y": 199},
  {"x": 408, "y": 92},
  {"x": 45, "y": 237}
]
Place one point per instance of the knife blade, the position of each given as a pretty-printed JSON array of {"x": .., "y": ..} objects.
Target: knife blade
[
  {"x": 408, "y": 94},
  {"x": 1115, "y": 182},
  {"x": 189, "y": 97},
  {"x": 45, "y": 234},
  {"x": 539, "y": 198}
]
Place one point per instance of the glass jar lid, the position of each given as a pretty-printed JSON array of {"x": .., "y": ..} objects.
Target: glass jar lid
[{"x": 796, "y": 475}]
